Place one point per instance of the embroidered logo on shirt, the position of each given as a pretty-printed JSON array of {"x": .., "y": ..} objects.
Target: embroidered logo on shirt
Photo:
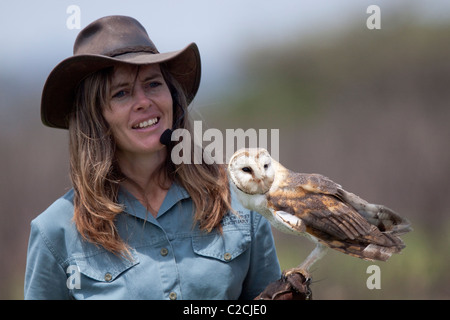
[{"x": 230, "y": 218}]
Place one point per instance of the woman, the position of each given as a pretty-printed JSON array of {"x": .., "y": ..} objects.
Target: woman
[{"x": 135, "y": 225}]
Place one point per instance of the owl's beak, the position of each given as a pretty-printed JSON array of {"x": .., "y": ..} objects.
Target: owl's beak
[{"x": 264, "y": 183}]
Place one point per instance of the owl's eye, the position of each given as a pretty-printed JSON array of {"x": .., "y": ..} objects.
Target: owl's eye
[
  {"x": 247, "y": 169},
  {"x": 266, "y": 166}
]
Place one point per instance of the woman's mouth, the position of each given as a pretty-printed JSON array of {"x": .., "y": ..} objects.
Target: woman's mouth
[{"x": 146, "y": 123}]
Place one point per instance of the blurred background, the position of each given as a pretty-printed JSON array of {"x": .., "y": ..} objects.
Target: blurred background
[{"x": 368, "y": 108}]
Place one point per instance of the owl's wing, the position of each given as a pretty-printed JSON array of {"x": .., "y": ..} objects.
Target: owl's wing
[
  {"x": 329, "y": 214},
  {"x": 384, "y": 218}
]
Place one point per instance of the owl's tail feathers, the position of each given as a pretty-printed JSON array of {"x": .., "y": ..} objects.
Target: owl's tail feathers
[
  {"x": 376, "y": 252},
  {"x": 385, "y": 219},
  {"x": 388, "y": 221},
  {"x": 366, "y": 250},
  {"x": 379, "y": 239}
]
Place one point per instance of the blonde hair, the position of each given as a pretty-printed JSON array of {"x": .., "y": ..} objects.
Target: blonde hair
[{"x": 96, "y": 176}]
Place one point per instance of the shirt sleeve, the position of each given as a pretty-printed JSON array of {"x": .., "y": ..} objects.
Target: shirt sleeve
[
  {"x": 264, "y": 265},
  {"x": 45, "y": 278}
]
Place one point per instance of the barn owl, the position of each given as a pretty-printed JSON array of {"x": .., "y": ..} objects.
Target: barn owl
[{"x": 316, "y": 207}]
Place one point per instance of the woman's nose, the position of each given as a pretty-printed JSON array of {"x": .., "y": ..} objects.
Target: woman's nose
[{"x": 141, "y": 100}]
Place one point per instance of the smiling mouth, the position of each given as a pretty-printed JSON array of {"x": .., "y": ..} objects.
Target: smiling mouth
[{"x": 146, "y": 124}]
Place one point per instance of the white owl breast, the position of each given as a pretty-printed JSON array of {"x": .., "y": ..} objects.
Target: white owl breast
[
  {"x": 279, "y": 219},
  {"x": 253, "y": 202}
]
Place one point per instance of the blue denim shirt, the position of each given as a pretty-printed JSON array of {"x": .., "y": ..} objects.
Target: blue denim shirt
[{"x": 172, "y": 257}]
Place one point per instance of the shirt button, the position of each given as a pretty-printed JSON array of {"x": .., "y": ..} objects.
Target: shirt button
[
  {"x": 108, "y": 276},
  {"x": 173, "y": 296},
  {"x": 227, "y": 256},
  {"x": 164, "y": 252}
]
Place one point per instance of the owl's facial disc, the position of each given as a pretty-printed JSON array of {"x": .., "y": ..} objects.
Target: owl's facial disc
[{"x": 251, "y": 171}]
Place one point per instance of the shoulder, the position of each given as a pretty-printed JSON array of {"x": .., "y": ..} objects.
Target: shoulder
[
  {"x": 55, "y": 227},
  {"x": 51, "y": 241},
  {"x": 58, "y": 214}
]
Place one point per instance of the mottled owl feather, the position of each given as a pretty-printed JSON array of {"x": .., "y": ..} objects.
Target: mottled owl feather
[{"x": 337, "y": 218}]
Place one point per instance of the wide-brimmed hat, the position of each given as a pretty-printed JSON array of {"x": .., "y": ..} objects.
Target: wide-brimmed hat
[{"x": 104, "y": 43}]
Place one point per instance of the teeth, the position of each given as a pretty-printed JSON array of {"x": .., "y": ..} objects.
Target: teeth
[{"x": 147, "y": 123}]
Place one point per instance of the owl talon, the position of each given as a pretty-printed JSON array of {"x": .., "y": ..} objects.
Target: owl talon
[
  {"x": 299, "y": 280},
  {"x": 302, "y": 272}
]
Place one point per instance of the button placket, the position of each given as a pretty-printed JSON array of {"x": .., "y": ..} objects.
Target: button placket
[{"x": 169, "y": 274}]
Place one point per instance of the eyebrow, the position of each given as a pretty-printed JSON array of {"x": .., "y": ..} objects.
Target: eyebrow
[{"x": 151, "y": 76}]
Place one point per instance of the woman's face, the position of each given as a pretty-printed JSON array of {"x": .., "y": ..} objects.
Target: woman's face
[{"x": 140, "y": 108}]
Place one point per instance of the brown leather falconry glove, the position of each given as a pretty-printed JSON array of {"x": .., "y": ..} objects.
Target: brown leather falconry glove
[{"x": 291, "y": 287}]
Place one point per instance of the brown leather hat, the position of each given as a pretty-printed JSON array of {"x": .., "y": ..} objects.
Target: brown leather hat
[{"x": 105, "y": 43}]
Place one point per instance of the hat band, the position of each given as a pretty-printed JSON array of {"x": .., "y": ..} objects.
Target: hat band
[{"x": 134, "y": 49}]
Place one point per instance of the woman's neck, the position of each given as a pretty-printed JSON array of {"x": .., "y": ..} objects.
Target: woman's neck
[{"x": 143, "y": 178}]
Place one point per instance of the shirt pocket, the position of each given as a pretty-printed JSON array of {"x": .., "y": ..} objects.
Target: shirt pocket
[
  {"x": 104, "y": 266},
  {"x": 224, "y": 247},
  {"x": 221, "y": 264}
]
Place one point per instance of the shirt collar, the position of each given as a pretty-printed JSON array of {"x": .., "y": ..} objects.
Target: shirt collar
[{"x": 133, "y": 207}]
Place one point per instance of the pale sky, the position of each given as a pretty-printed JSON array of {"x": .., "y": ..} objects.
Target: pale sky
[{"x": 35, "y": 38}]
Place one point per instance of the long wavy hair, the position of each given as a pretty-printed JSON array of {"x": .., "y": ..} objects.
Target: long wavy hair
[{"x": 96, "y": 176}]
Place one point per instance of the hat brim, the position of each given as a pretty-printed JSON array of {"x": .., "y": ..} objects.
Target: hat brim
[{"x": 59, "y": 90}]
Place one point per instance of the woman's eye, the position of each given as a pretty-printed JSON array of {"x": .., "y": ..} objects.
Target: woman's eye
[
  {"x": 154, "y": 84},
  {"x": 120, "y": 94}
]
